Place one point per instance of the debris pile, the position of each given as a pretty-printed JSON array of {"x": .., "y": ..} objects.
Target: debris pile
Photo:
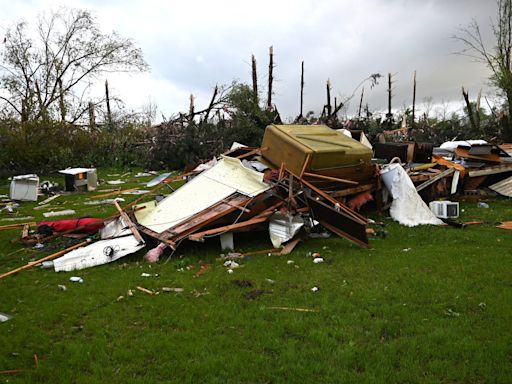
[{"x": 309, "y": 179}]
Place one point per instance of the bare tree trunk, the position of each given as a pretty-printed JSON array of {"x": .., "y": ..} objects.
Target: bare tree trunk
[
  {"x": 24, "y": 113},
  {"x": 413, "y": 101},
  {"x": 470, "y": 109},
  {"x": 254, "y": 79},
  {"x": 389, "y": 115},
  {"x": 109, "y": 112},
  {"x": 191, "y": 108},
  {"x": 62, "y": 105},
  {"x": 360, "y": 104},
  {"x": 328, "y": 105},
  {"x": 270, "y": 77},
  {"x": 301, "y": 90},
  {"x": 477, "y": 114},
  {"x": 212, "y": 101},
  {"x": 92, "y": 117}
]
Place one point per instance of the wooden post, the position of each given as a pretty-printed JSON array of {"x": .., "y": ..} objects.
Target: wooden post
[
  {"x": 301, "y": 90},
  {"x": 109, "y": 112},
  {"x": 254, "y": 79},
  {"x": 329, "y": 107},
  {"x": 360, "y": 104},
  {"x": 413, "y": 100},
  {"x": 270, "y": 77}
]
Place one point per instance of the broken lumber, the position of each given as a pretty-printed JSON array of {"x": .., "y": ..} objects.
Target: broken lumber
[
  {"x": 20, "y": 225},
  {"x": 46, "y": 258},
  {"x": 432, "y": 180},
  {"x": 199, "y": 236},
  {"x": 330, "y": 178},
  {"x": 361, "y": 219},
  {"x": 129, "y": 223}
]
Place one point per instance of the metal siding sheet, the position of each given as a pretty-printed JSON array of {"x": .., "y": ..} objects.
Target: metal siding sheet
[
  {"x": 503, "y": 187},
  {"x": 208, "y": 188}
]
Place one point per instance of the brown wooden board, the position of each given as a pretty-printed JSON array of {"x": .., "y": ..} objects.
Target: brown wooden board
[
  {"x": 491, "y": 157},
  {"x": 201, "y": 219},
  {"x": 338, "y": 222}
]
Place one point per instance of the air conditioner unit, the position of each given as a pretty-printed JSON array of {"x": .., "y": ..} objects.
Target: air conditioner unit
[{"x": 445, "y": 209}]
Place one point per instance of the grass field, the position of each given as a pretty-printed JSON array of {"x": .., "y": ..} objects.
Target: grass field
[{"x": 424, "y": 305}]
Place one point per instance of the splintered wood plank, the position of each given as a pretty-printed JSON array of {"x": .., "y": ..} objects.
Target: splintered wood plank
[
  {"x": 354, "y": 190},
  {"x": 198, "y": 236},
  {"x": 339, "y": 222},
  {"x": 24, "y": 232},
  {"x": 129, "y": 223},
  {"x": 334, "y": 201},
  {"x": 330, "y": 178},
  {"x": 204, "y": 218}
]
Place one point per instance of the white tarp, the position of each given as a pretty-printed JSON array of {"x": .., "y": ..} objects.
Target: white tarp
[
  {"x": 98, "y": 253},
  {"x": 451, "y": 146},
  {"x": 407, "y": 207},
  {"x": 208, "y": 188}
]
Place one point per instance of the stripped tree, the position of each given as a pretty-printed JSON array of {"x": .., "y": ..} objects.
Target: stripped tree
[
  {"x": 45, "y": 75},
  {"x": 496, "y": 55}
]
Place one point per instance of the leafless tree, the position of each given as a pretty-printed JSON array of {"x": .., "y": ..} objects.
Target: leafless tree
[
  {"x": 46, "y": 74},
  {"x": 497, "y": 54}
]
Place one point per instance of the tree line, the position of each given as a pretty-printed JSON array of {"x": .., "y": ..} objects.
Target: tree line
[{"x": 47, "y": 122}]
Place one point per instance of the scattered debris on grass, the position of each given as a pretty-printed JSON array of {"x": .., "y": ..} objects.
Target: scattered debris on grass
[
  {"x": 253, "y": 295},
  {"x": 176, "y": 290},
  {"x": 291, "y": 309},
  {"x": 242, "y": 283},
  {"x": 145, "y": 290}
]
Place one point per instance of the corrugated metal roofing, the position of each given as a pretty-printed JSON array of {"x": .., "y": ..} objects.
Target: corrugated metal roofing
[{"x": 503, "y": 187}]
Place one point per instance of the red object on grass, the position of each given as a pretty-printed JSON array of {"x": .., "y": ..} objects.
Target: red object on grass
[{"x": 90, "y": 225}]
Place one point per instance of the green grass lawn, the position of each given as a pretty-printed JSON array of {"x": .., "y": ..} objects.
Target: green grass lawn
[{"x": 426, "y": 304}]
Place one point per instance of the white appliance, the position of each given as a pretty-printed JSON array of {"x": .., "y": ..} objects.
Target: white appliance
[
  {"x": 80, "y": 179},
  {"x": 445, "y": 209},
  {"x": 24, "y": 188}
]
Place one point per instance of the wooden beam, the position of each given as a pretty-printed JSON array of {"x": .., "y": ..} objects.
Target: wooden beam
[
  {"x": 432, "y": 180},
  {"x": 491, "y": 170},
  {"x": 305, "y": 165},
  {"x": 256, "y": 151},
  {"x": 330, "y": 178},
  {"x": 129, "y": 223},
  {"x": 200, "y": 235},
  {"x": 334, "y": 201},
  {"x": 351, "y": 191},
  {"x": 13, "y": 226},
  {"x": 46, "y": 258}
]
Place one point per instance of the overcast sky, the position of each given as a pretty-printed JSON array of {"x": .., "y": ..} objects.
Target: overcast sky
[{"x": 193, "y": 45}]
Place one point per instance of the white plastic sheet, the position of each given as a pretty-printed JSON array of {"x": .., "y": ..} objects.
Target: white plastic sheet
[{"x": 407, "y": 207}]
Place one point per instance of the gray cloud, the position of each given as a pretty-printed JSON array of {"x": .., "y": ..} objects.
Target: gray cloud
[{"x": 191, "y": 46}]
